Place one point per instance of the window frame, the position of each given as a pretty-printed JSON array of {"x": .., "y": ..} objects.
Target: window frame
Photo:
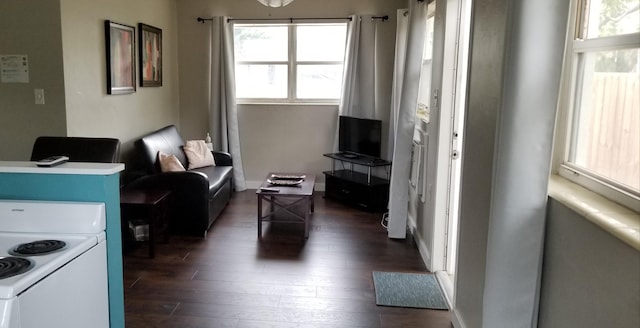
[
  {"x": 292, "y": 67},
  {"x": 568, "y": 111}
]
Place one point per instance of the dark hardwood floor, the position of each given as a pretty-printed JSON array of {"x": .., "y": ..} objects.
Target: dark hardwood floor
[{"x": 231, "y": 279}]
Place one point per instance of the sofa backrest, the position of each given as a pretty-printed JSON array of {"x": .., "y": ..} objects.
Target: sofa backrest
[
  {"x": 167, "y": 140},
  {"x": 78, "y": 149}
]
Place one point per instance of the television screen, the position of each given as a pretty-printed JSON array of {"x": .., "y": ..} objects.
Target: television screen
[{"x": 360, "y": 136}]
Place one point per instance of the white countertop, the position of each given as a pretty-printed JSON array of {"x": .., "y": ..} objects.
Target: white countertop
[{"x": 65, "y": 168}]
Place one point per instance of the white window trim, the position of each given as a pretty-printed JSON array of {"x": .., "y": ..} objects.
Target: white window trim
[
  {"x": 598, "y": 186},
  {"x": 292, "y": 74},
  {"x": 566, "y": 107},
  {"x": 606, "y": 43}
]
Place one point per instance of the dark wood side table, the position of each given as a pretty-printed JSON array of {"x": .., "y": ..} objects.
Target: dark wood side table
[{"x": 151, "y": 206}]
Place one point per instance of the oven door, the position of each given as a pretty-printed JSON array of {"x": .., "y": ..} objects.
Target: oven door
[{"x": 74, "y": 296}]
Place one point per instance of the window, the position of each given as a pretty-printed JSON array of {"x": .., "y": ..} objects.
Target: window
[
  {"x": 602, "y": 149},
  {"x": 289, "y": 62}
]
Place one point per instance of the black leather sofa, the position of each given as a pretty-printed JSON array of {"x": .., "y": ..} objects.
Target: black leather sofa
[
  {"x": 198, "y": 196},
  {"x": 78, "y": 149}
]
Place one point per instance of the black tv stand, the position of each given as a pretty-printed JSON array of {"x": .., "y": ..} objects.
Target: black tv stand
[
  {"x": 359, "y": 189},
  {"x": 349, "y": 155}
]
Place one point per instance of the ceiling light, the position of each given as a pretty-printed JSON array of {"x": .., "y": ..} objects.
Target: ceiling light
[{"x": 275, "y": 3}]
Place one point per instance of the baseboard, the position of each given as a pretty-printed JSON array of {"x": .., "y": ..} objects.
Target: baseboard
[
  {"x": 256, "y": 185},
  {"x": 456, "y": 319},
  {"x": 444, "y": 279},
  {"x": 422, "y": 246}
]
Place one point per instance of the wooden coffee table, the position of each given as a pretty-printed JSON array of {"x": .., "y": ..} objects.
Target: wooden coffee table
[{"x": 285, "y": 199}]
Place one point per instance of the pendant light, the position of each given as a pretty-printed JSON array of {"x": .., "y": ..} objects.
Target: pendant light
[{"x": 275, "y": 3}]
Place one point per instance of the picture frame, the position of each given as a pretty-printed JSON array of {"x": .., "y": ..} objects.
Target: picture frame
[
  {"x": 120, "y": 48},
  {"x": 150, "y": 55}
]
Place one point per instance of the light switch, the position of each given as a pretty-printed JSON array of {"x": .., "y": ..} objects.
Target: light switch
[{"x": 39, "y": 95}]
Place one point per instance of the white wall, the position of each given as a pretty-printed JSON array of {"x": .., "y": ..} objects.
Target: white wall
[
  {"x": 522, "y": 161},
  {"x": 273, "y": 137},
  {"x": 506, "y": 163},
  {"x": 590, "y": 278},
  {"x": 483, "y": 103},
  {"x": 32, "y": 28},
  {"x": 66, "y": 47},
  {"x": 65, "y": 42},
  {"x": 90, "y": 111},
  {"x": 283, "y": 138}
]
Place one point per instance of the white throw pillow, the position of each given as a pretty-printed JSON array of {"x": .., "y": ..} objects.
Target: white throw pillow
[
  {"x": 198, "y": 154},
  {"x": 169, "y": 163}
]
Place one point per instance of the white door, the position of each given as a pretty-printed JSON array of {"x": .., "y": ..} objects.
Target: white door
[
  {"x": 447, "y": 90},
  {"x": 456, "y": 49},
  {"x": 458, "y": 24}
]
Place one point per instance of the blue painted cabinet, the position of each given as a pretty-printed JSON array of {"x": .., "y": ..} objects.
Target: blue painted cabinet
[{"x": 90, "y": 182}]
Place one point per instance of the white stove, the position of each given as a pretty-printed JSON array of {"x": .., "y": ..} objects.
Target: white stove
[{"x": 66, "y": 285}]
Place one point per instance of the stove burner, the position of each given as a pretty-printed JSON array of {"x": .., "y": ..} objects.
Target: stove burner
[
  {"x": 11, "y": 266},
  {"x": 39, "y": 247}
]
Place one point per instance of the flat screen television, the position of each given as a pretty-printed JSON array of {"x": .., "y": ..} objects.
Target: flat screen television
[{"x": 359, "y": 136}]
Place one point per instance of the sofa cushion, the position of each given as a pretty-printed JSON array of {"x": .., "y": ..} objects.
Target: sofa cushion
[
  {"x": 217, "y": 175},
  {"x": 166, "y": 140},
  {"x": 169, "y": 163},
  {"x": 198, "y": 154}
]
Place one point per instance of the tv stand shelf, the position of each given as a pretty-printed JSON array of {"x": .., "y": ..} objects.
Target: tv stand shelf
[{"x": 360, "y": 189}]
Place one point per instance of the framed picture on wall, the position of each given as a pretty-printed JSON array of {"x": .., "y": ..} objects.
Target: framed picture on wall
[
  {"x": 150, "y": 55},
  {"x": 120, "y": 45}
]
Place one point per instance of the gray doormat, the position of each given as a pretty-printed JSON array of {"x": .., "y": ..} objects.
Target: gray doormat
[{"x": 414, "y": 290}]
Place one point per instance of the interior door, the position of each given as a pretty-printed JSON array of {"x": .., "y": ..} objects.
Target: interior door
[
  {"x": 436, "y": 148},
  {"x": 456, "y": 49},
  {"x": 458, "y": 25},
  {"x": 447, "y": 90}
]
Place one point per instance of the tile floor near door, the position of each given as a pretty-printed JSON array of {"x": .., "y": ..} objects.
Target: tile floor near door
[{"x": 232, "y": 279}]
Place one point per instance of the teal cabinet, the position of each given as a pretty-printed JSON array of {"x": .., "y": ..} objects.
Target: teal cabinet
[{"x": 90, "y": 182}]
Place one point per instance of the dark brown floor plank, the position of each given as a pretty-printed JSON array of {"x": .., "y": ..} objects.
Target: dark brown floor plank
[{"x": 233, "y": 279}]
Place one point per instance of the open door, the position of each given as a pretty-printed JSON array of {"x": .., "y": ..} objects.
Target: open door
[
  {"x": 439, "y": 133},
  {"x": 454, "y": 85}
]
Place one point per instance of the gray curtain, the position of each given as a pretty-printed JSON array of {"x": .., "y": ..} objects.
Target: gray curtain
[
  {"x": 223, "y": 110},
  {"x": 359, "y": 78},
  {"x": 404, "y": 116},
  {"x": 398, "y": 73}
]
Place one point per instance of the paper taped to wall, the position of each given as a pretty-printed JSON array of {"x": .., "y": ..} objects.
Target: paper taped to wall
[{"x": 14, "y": 69}]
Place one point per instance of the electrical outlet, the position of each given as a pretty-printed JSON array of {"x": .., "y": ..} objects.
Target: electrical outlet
[{"x": 39, "y": 96}]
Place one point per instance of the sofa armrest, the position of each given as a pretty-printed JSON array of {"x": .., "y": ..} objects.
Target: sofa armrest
[
  {"x": 222, "y": 158},
  {"x": 189, "y": 198}
]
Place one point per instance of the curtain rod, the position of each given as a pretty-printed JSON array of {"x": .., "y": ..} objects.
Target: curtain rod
[{"x": 290, "y": 19}]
